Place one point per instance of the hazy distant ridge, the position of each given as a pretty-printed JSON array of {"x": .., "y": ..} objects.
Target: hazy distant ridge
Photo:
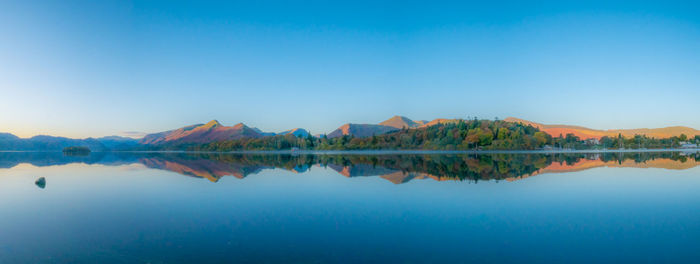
[{"x": 51, "y": 143}]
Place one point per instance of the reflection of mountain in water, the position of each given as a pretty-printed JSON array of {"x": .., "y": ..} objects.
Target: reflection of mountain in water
[
  {"x": 40, "y": 159},
  {"x": 215, "y": 166},
  {"x": 202, "y": 168},
  {"x": 394, "y": 168}
]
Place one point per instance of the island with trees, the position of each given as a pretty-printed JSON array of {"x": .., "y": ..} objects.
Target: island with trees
[{"x": 76, "y": 151}]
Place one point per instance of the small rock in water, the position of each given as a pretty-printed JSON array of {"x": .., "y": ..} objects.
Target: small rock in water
[{"x": 41, "y": 182}]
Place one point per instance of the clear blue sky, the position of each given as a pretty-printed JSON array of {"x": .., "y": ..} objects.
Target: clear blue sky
[{"x": 96, "y": 68}]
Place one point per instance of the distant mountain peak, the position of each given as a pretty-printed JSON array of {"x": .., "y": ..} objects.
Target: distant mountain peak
[
  {"x": 241, "y": 125},
  {"x": 213, "y": 123},
  {"x": 398, "y": 121},
  {"x": 8, "y": 136},
  {"x": 299, "y": 132}
]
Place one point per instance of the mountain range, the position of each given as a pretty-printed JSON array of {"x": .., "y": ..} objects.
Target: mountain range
[
  {"x": 214, "y": 131},
  {"x": 202, "y": 133},
  {"x": 49, "y": 143}
]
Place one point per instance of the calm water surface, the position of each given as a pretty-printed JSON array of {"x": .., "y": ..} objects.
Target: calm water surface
[{"x": 213, "y": 208}]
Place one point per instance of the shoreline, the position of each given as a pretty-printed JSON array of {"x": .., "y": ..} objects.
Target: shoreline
[{"x": 389, "y": 152}]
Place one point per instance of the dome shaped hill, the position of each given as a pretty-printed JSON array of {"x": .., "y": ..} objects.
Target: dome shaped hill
[{"x": 399, "y": 122}]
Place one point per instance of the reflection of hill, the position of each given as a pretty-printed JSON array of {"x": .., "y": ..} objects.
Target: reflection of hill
[
  {"x": 663, "y": 163},
  {"x": 215, "y": 166},
  {"x": 671, "y": 162},
  {"x": 394, "y": 168},
  {"x": 658, "y": 163},
  {"x": 585, "y": 164},
  {"x": 400, "y": 177}
]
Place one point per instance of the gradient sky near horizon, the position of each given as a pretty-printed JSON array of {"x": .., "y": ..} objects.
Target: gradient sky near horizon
[{"x": 96, "y": 68}]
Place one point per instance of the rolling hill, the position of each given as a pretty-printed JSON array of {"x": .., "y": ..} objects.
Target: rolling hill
[{"x": 588, "y": 133}]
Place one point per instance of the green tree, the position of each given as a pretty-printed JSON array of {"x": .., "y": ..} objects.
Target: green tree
[{"x": 542, "y": 138}]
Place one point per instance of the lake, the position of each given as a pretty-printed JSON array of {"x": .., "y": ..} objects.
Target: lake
[{"x": 405, "y": 208}]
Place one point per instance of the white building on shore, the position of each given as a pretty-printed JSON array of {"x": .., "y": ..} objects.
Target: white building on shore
[{"x": 688, "y": 145}]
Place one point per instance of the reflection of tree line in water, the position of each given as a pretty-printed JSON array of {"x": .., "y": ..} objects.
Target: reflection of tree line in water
[
  {"x": 437, "y": 166},
  {"x": 395, "y": 167}
]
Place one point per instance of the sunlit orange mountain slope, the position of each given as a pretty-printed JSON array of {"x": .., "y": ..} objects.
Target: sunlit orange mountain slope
[{"x": 587, "y": 133}]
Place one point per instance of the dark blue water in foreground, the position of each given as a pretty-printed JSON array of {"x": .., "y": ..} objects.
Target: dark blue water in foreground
[{"x": 290, "y": 209}]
